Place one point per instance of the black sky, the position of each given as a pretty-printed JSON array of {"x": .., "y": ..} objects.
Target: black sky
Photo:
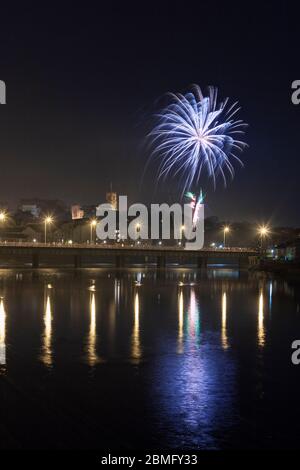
[{"x": 80, "y": 81}]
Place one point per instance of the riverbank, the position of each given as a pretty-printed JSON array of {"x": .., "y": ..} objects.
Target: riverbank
[{"x": 287, "y": 268}]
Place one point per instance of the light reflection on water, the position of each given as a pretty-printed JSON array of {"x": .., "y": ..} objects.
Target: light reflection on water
[
  {"x": 2, "y": 333},
  {"x": 184, "y": 349},
  {"x": 92, "y": 338},
  {"x": 47, "y": 333},
  {"x": 180, "y": 322},
  {"x": 224, "y": 321},
  {"x": 196, "y": 390},
  {"x": 261, "y": 329},
  {"x": 136, "y": 346},
  {"x": 270, "y": 295}
]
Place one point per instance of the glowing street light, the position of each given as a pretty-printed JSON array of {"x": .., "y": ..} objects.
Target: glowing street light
[
  {"x": 47, "y": 221},
  {"x": 93, "y": 224},
  {"x": 226, "y": 229},
  {"x": 3, "y": 216},
  {"x": 138, "y": 229},
  {"x": 263, "y": 231}
]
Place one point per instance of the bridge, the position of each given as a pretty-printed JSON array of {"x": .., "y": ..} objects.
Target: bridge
[{"x": 81, "y": 255}]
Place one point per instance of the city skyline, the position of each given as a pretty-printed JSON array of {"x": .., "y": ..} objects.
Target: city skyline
[
  {"x": 67, "y": 131},
  {"x": 87, "y": 210}
]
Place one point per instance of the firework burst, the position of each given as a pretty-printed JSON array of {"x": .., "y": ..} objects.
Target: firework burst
[{"x": 196, "y": 134}]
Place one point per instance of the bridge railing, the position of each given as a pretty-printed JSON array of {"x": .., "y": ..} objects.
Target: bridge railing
[{"x": 121, "y": 246}]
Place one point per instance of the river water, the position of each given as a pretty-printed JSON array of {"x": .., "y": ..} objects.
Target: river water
[{"x": 97, "y": 359}]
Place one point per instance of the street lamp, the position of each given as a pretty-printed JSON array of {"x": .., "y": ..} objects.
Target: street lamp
[
  {"x": 263, "y": 231},
  {"x": 93, "y": 224},
  {"x": 47, "y": 221},
  {"x": 138, "y": 230},
  {"x": 226, "y": 229},
  {"x": 182, "y": 231},
  {"x": 2, "y": 217}
]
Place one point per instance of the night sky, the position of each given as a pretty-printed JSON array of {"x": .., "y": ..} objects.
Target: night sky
[{"x": 81, "y": 83}]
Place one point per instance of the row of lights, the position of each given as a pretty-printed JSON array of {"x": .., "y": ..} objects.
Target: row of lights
[
  {"x": 48, "y": 220},
  {"x": 262, "y": 230}
]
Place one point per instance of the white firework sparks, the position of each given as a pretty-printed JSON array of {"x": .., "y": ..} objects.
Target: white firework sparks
[{"x": 196, "y": 133}]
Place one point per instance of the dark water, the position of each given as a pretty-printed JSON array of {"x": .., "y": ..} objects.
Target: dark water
[{"x": 96, "y": 359}]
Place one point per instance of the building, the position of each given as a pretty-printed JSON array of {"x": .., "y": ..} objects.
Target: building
[
  {"x": 288, "y": 251},
  {"x": 36, "y": 207},
  {"x": 89, "y": 211},
  {"x": 21, "y": 233},
  {"x": 34, "y": 233},
  {"x": 77, "y": 212},
  {"x": 77, "y": 231},
  {"x": 31, "y": 209},
  {"x": 111, "y": 198}
]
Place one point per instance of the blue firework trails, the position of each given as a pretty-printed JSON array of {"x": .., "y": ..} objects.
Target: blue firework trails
[{"x": 195, "y": 134}]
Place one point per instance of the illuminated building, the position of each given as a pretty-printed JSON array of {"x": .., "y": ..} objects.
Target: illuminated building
[
  {"x": 111, "y": 198},
  {"x": 77, "y": 212}
]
